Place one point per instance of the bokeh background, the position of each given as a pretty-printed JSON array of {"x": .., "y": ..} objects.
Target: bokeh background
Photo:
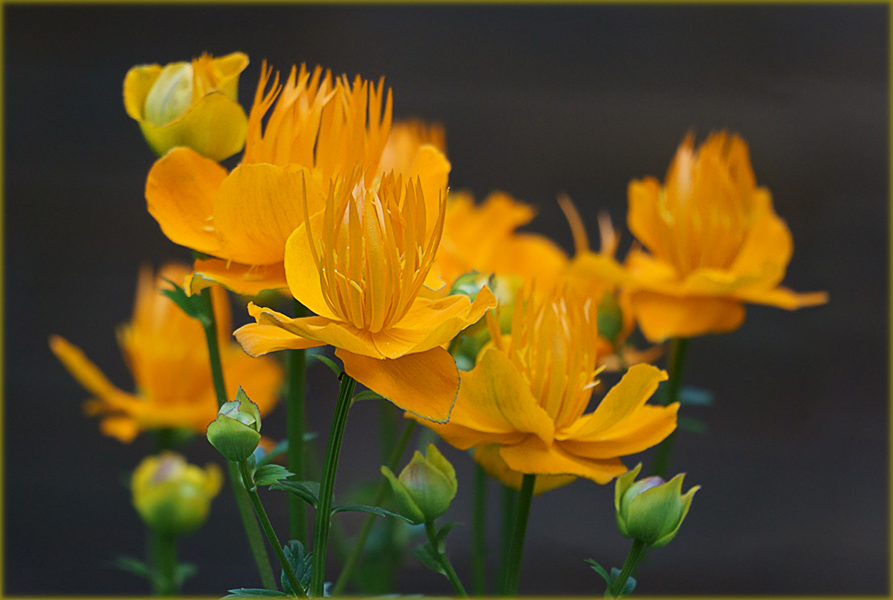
[{"x": 536, "y": 100}]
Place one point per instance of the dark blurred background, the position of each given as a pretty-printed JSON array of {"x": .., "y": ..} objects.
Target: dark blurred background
[{"x": 536, "y": 100}]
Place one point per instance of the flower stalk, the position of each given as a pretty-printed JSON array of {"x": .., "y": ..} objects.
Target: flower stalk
[
  {"x": 675, "y": 363},
  {"x": 478, "y": 531},
  {"x": 635, "y": 556},
  {"x": 516, "y": 548},
  {"x": 383, "y": 486},
  {"x": 163, "y": 548},
  {"x": 431, "y": 530},
  {"x": 327, "y": 485},
  {"x": 297, "y": 367}
]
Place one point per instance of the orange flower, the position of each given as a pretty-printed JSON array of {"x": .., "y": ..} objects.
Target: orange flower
[
  {"x": 483, "y": 238},
  {"x": 192, "y": 104},
  {"x": 527, "y": 395},
  {"x": 361, "y": 265},
  {"x": 714, "y": 242},
  {"x": 317, "y": 129},
  {"x": 167, "y": 354}
]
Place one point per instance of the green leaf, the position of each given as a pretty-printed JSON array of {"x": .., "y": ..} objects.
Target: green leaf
[
  {"x": 692, "y": 396},
  {"x": 301, "y": 563},
  {"x": 601, "y": 571},
  {"x": 191, "y": 305},
  {"x": 270, "y": 474},
  {"x": 693, "y": 425},
  {"x": 366, "y": 395},
  {"x": 184, "y": 571},
  {"x": 329, "y": 363},
  {"x": 255, "y": 593},
  {"x": 429, "y": 558},
  {"x": 133, "y": 565},
  {"x": 308, "y": 491},
  {"x": 444, "y": 532},
  {"x": 368, "y": 509}
]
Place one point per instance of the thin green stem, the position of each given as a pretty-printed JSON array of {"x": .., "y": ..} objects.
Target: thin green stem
[
  {"x": 444, "y": 561},
  {"x": 636, "y": 553},
  {"x": 164, "y": 563},
  {"x": 509, "y": 503},
  {"x": 366, "y": 528},
  {"x": 252, "y": 531},
  {"x": 297, "y": 368},
  {"x": 327, "y": 485},
  {"x": 516, "y": 549},
  {"x": 268, "y": 529},
  {"x": 479, "y": 531},
  {"x": 675, "y": 363}
]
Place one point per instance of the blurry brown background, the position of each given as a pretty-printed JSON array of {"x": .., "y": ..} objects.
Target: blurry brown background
[{"x": 536, "y": 100}]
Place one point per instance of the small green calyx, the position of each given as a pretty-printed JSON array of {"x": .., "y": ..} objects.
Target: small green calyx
[
  {"x": 425, "y": 487},
  {"x": 236, "y": 432},
  {"x": 651, "y": 510},
  {"x": 610, "y": 317}
]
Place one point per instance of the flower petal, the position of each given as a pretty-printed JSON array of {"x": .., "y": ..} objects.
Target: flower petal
[
  {"x": 433, "y": 169},
  {"x": 82, "y": 368},
  {"x": 180, "y": 193},
  {"x": 621, "y": 401},
  {"x": 488, "y": 457},
  {"x": 257, "y": 208},
  {"x": 301, "y": 269},
  {"x": 783, "y": 297},
  {"x": 424, "y": 384},
  {"x": 257, "y": 339},
  {"x": 647, "y": 426},
  {"x": 137, "y": 84},
  {"x": 768, "y": 248},
  {"x": 249, "y": 280},
  {"x": 661, "y": 317},
  {"x": 642, "y": 218},
  {"x": 533, "y": 456}
]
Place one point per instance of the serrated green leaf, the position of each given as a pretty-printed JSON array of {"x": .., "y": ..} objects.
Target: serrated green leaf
[
  {"x": 600, "y": 570},
  {"x": 429, "y": 558},
  {"x": 184, "y": 571},
  {"x": 191, "y": 305},
  {"x": 301, "y": 563},
  {"x": 692, "y": 425},
  {"x": 368, "y": 509},
  {"x": 692, "y": 396},
  {"x": 329, "y": 363},
  {"x": 270, "y": 474},
  {"x": 133, "y": 565},
  {"x": 366, "y": 395},
  {"x": 308, "y": 491},
  {"x": 255, "y": 593}
]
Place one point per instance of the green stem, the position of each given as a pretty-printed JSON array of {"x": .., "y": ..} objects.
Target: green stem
[
  {"x": 164, "y": 563},
  {"x": 636, "y": 553},
  {"x": 366, "y": 529},
  {"x": 509, "y": 503},
  {"x": 478, "y": 531},
  {"x": 297, "y": 367},
  {"x": 327, "y": 485},
  {"x": 252, "y": 531},
  {"x": 516, "y": 549},
  {"x": 268, "y": 529},
  {"x": 675, "y": 362},
  {"x": 444, "y": 561}
]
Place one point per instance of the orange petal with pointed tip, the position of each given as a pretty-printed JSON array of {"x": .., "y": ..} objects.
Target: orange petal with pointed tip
[
  {"x": 647, "y": 426},
  {"x": 534, "y": 457},
  {"x": 180, "y": 192},
  {"x": 301, "y": 270},
  {"x": 661, "y": 317},
  {"x": 488, "y": 457},
  {"x": 424, "y": 384},
  {"x": 257, "y": 339},
  {"x": 433, "y": 170},
  {"x": 249, "y": 280},
  {"x": 82, "y": 368}
]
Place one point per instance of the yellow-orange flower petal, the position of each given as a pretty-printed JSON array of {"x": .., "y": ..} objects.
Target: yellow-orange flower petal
[
  {"x": 662, "y": 316},
  {"x": 180, "y": 192},
  {"x": 424, "y": 383},
  {"x": 488, "y": 457},
  {"x": 533, "y": 456},
  {"x": 249, "y": 280}
]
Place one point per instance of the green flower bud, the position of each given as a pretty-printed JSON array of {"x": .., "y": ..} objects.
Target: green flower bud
[
  {"x": 172, "y": 496},
  {"x": 610, "y": 317},
  {"x": 651, "y": 510},
  {"x": 236, "y": 432},
  {"x": 426, "y": 486}
]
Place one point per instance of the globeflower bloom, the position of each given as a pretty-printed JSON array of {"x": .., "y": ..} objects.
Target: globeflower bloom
[
  {"x": 361, "y": 265},
  {"x": 193, "y": 104},
  {"x": 713, "y": 240},
  {"x": 167, "y": 354},
  {"x": 528, "y": 393},
  {"x": 316, "y": 127}
]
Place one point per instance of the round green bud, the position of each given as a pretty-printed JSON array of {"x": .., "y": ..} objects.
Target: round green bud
[
  {"x": 172, "y": 496},
  {"x": 651, "y": 510},
  {"x": 610, "y": 317},
  {"x": 426, "y": 486},
  {"x": 236, "y": 432}
]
